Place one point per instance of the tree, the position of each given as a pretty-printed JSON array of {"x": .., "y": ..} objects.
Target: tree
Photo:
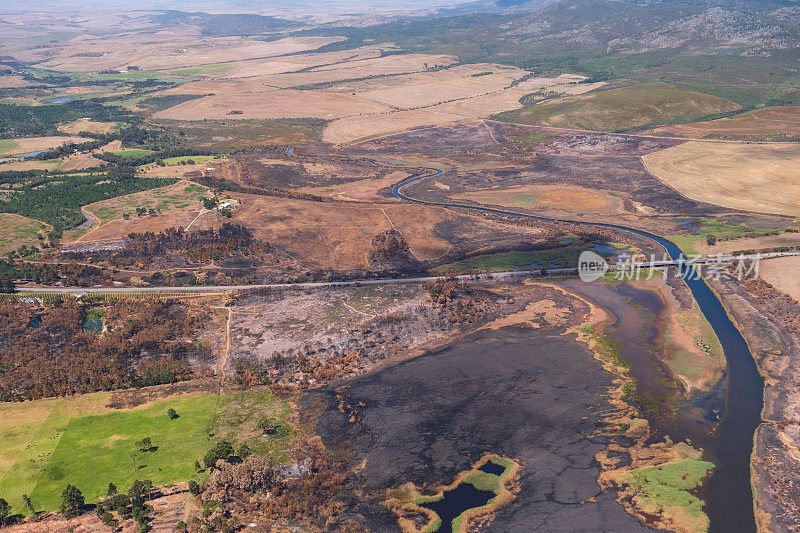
[
  {"x": 29, "y": 504},
  {"x": 172, "y": 413},
  {"x": 194, "y": 488},
  {"x": 711, "y": 239},
  {"x": 4, "y": 510},
  {"x": 197, "y": 467},
  {"x": 71, "y": 501},
  {"x": 112, "y": 490},
  {"x": 140, "y": 488},
  {"x": 144, "y": 445}
]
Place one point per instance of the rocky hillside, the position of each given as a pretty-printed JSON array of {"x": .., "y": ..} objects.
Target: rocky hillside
[{"x": 635, "y": 27}]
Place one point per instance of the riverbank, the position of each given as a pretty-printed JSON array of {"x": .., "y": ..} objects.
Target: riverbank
[{"x": 535, "y": 395}]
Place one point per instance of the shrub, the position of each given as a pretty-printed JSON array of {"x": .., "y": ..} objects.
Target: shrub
[
  {"x": 109, "y": 520},
  {"x": 172, "y": 413},
  {"x": 221, "y": 450}
]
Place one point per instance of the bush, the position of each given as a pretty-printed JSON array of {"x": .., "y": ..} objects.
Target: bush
[
  {"x": 172, "y": 413},
  {"x": 221, "y": 450},
  {"x": 244, "y": 451},
  {"x": 109, "y": 520},
  {"x": 711, "y": 239},
  {"x": 194, "y": 488}
]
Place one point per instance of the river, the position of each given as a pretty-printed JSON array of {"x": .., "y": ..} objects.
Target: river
[{"x": 729, "y": 494}]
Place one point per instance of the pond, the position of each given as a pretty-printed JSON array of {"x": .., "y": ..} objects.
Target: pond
[{"x": 456, "y": 501}]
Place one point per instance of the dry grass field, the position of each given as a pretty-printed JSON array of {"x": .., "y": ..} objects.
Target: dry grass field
[
  {"x": 167, "y": 50},
  {"x": 336, "y": 68},
  {"x": 570, "y": 198},
  {"x": 30, "y": 164},
  {"x": 783, "y": 273},
  {"x": 119, "y": 228},
  {"x": 272, "y": 104},
  {"x": 13, "y": 82},
  {"x": 34, "y": 144},
  {"x": 339, "y": 235},
  {"x": 358, "y": 128},
  {"x": 764, "y": 242},
  {"x": 359, "y": 190},
  {"x": 87, "y": 125},
  {"x": 16, "y": 230},
  {"x": 750, "y": 177},
  {"x": 768, "y": 122},
  {"x": 179, "y": 206},
  {"x": 177, "y": 197},
  {"x": 364, "y": 94}
]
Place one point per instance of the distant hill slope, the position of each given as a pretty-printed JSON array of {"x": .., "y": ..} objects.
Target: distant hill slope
[
  {"x": 746, "y": 51},
  {"x": 223, "y": 25},
  {"x": 631, "y": 27}
]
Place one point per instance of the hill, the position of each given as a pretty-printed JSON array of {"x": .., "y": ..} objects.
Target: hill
[{"x": 622, "y": 109}]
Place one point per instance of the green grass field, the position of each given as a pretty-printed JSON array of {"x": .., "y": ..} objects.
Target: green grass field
[
  {"x": 18, "y": 230},
  {"x": 7, "y": 145},
  {"x": 669, "y": 485},
  {"x": 687, "y": 243},
  {"x": 49, "y": 443},
  {"x": 497, "y": 262},
  {"x": 170, "y": 161},
  {"x": 126, "y": 154},
  {"x": 623, "y": 108}
]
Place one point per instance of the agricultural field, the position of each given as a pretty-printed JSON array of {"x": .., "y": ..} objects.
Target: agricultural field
[
  {"x": 175, "y": 197},
  {"x": 171, "y": 51},
  {"x": 623, "y": 108},
  {"x": 89, "y": 441},
  {"x": 176, "y": 205},
  {"x": 782, "y": 273},
  {"x": 19, "y": 231},
  {"x": 748, "y": 177},
  {"x": 769, "y": 123},
  {"x": 10, "y": 147},
  {"x": 83, "y": 125}
]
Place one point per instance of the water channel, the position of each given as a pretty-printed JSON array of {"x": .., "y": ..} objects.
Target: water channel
[{"x": 728, "y": 495}]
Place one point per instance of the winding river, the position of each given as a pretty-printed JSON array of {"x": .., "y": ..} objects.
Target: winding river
[{"x": 729, "y": 494}]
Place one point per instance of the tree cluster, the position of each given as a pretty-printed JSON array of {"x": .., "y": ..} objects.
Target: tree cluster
[
  {"x": 71, "y": 274},
  {"x": 197, "y": 246},
  {"x": 147, "y": 343}
]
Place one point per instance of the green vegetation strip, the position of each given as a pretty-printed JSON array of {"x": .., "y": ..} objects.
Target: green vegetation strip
[{"x": 716, "y": 231}]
